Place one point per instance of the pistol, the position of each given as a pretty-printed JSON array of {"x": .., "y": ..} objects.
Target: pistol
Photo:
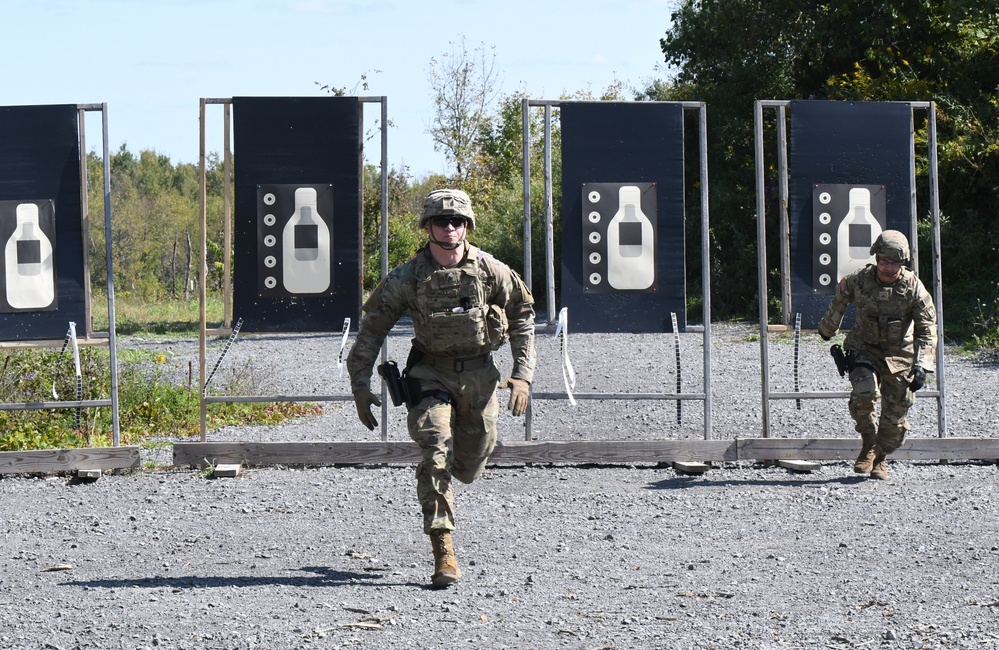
[
  {"x": 839, "y": 357},
  {"x": 397, "y": 388}
]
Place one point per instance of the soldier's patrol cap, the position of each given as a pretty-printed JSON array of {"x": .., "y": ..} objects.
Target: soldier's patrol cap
[{"x": 447, "y": 203}]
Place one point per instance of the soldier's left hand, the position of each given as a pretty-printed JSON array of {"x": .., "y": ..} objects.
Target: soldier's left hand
[
  {"x": 917, "y": 378},
  {"x": 363, "y": 400},
  {"x": 520, "y": 393}
]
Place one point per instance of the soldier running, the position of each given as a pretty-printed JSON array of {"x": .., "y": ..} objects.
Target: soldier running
[
  {"x": 889, "y": 350},
  {"x": 464, "y": 304}
]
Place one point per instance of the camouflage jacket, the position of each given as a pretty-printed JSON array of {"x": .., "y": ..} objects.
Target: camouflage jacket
[
  {"x": 897, "y": 323},
  {"x": 459, "y": 312}
]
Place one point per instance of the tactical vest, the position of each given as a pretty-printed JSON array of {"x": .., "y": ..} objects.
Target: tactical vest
[
  {"x": 884, "y": 314},
  {"x": 452, "y": 316}
]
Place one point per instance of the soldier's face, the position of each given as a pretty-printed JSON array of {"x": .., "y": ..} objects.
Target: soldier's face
[
  {"x": 446, "y": 230},
  {"x": 888, "y": 270}
]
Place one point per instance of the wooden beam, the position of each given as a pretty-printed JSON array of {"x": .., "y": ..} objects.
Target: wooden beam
[
  {"x": 334, "y": 453},
  {"x": 615, "y": 451},
  {"x": 579, "y": 452},
  {"x": 293, "y": 453},
  {"x": 947, "y": 449},
  {"x": 68, "y": 460},
  {"x": 848, "y": 448},
  {"x": 798, "y": 448}
]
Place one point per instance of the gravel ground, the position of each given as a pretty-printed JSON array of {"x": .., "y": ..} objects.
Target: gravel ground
[{"x": 587, "y": 557}]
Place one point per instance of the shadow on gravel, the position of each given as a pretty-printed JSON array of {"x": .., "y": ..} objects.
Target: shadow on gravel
[
  {"x": 701, "y": 482},
  {"x": 323, "y": 577}
]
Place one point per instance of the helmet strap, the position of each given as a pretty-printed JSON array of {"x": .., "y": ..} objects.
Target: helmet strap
[{"x": 448, "y": 246}]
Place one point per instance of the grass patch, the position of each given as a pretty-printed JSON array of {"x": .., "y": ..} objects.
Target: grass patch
[
  {"x": 134, "y": 315},
  {"x": 151, "y": 405}
]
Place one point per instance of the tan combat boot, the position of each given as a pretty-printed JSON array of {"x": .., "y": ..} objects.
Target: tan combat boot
[
  {"x": 446, "y": 568},
  {"x": 880, "y": 469},
  {"x": 865, "y": 461}
]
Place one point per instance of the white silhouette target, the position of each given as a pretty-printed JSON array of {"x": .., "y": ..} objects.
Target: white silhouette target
[
  {"x": 294, "y": 240},
  {"x": 619, "y": 236},
  {"x": 29, "y": 274},
  {"x": 846, "y": 219}
]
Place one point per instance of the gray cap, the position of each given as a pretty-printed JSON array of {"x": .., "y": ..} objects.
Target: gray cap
[{"x": 447, "y": 203}]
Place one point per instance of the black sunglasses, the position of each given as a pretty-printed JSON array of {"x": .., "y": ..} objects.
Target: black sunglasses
[{"x": 442, "y": 222}]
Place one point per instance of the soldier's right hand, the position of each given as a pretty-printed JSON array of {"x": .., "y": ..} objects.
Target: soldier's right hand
[
  {"x": 917, "y": 378},
  {"x": 363, "y": 399}
]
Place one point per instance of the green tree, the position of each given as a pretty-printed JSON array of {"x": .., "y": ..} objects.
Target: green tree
[
  {"x": 155, "y": 224},
  {"x": 729, "y": 53},
  {"x": 405, "y": 200}
]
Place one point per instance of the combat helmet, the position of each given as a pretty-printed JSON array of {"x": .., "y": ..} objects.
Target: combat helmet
[
  {"x": 447, "y": 203},
  {"x": 891, "y": 245}
]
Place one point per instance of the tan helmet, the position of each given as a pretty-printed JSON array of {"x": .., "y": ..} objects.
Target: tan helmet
[
  {"x": 447, "y": 203},
  {"x": 891, "y": 245}
]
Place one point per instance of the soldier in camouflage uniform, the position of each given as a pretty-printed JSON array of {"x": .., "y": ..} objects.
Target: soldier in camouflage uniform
[
  {"x": 464, "y": 304},
  {"x": 889, "y": 350}
]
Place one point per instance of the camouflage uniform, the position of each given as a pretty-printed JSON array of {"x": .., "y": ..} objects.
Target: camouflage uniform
[
  {"x": 895, "y": 331},
  {"x": 460, "y": 316}
]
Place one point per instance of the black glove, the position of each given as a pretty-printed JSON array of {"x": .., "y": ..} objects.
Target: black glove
[
  {"x": 363, "y": 399},
  {"x": 917, "y": 378},
  {"x": 824, "y": 337}
]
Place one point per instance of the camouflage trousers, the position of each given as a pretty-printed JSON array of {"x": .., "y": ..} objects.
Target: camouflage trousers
[
  {"x": 455, "y": 438},
  {"x": 889, "y": 428}
]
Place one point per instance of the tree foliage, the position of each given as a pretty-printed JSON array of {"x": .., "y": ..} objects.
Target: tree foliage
[
  {"x": 729, "y": 53},
  {"x": 726, "y": 53},
  {"x": 464, "y": 87},
  {"x": 155, "y": 224},
  {"x": 405, "y": 201}
]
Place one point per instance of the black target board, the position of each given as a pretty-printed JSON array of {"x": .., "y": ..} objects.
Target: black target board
[
  {"x": 849, "y": 180},
  {"x": 297, "y": 258},
  {"x": 42, "y": 270},
  {"x": 623, "y": 266}
]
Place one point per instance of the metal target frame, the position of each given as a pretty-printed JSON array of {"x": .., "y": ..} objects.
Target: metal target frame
[
  {"x": 703, "y": 396},
  {"x": 830, "y": 448},
  {"x": 227, "y": 328},
  {"x": 90, "y": 459},
  {"x": 685, "y": 454},
  {"x": 612, "y": 451}
]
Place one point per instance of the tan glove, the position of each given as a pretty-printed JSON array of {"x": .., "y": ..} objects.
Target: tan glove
[
  {"x": 520, "y": 394},
  {"x": 363, "y": 399}
]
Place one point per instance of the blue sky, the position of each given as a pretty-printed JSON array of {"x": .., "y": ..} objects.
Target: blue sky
[{"x": 152, "y": 60}]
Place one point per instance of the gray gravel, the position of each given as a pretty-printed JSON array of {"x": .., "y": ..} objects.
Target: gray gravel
[{"x": 745, "y": 556}]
